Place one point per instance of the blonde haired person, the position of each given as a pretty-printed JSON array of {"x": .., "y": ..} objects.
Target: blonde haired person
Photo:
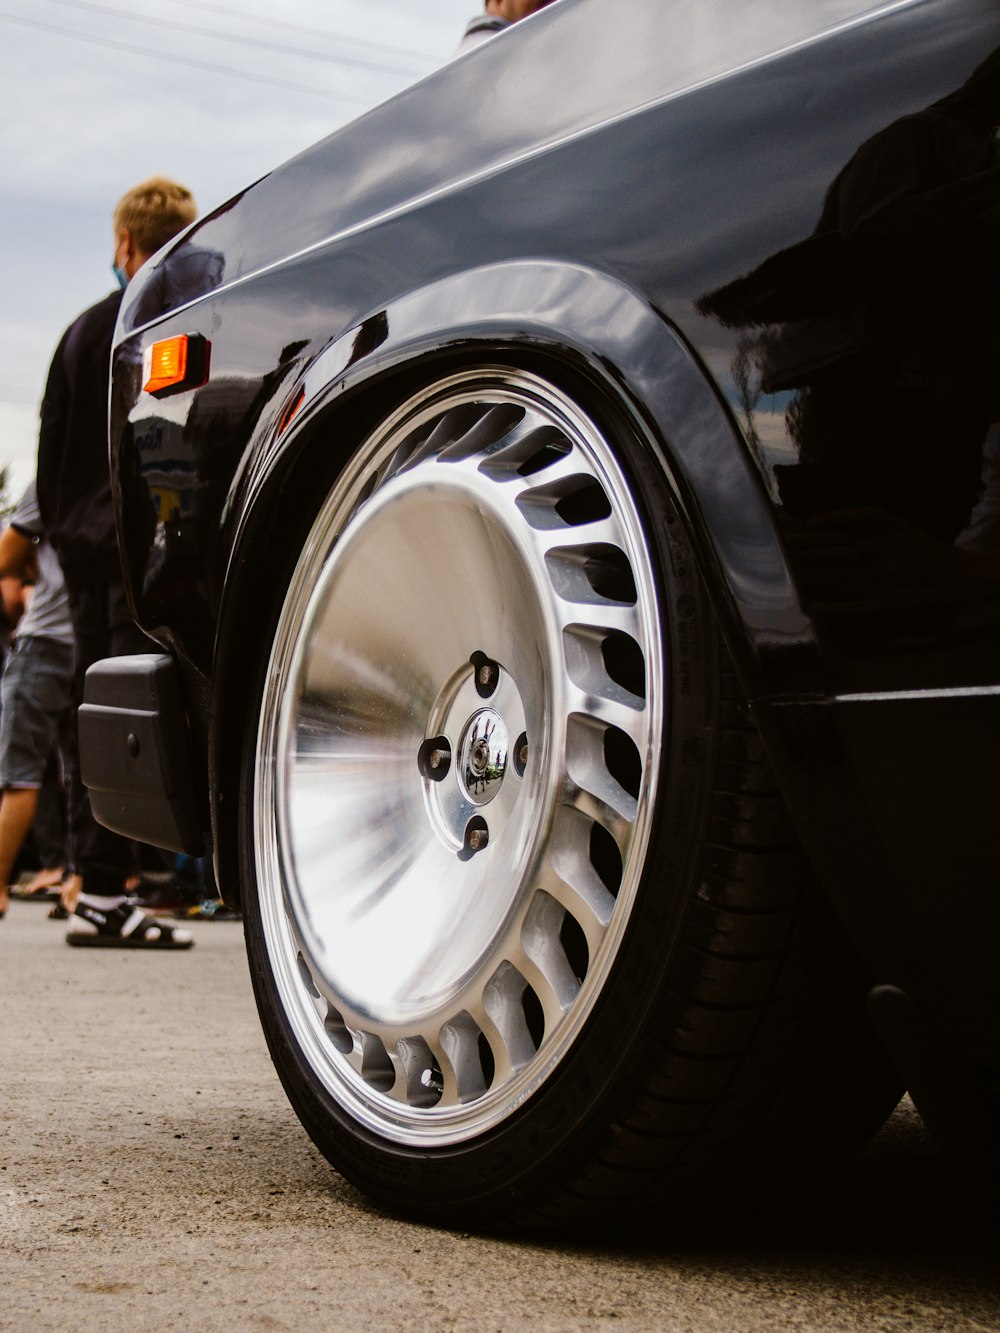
[{"x": 148, "y": 216}]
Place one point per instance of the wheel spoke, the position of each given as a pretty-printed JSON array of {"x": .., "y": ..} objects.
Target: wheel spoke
[
  {"x": 552, "y": 975},
  {"x": 503, "y": 1000},
  {"x": 593, "y": 654},
  {"x": 464, "y": 1079}
]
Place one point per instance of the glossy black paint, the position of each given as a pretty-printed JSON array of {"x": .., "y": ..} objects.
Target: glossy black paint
[
  {"x": 634, "y": 213},
  {"x": 672, "y": 200}
]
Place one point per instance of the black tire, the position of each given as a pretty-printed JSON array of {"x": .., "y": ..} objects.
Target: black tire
[{"x": 716, "y": 1039}]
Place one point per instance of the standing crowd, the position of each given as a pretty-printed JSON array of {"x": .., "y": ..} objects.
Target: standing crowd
[{"x": 62, "y": 537}]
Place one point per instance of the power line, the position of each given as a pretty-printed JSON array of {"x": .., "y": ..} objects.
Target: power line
[
  {"x": 184, "y": 60},
  {"x": 54, "y": 205},
  {"x": 239, "y": 39},
  {"x": 298, "y": 27}
]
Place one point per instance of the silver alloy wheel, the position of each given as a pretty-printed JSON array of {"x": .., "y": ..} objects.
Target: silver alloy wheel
[{"x": 457, "y": 757}]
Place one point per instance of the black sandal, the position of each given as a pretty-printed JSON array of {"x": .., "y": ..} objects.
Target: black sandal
[{"x": 124, "y": 927}]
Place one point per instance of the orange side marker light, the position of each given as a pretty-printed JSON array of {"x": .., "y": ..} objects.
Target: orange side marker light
[{"x": 174, "y": 364}]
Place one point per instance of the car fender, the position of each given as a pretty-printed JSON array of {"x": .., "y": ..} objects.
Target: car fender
[{"x": 604, "y": 340}]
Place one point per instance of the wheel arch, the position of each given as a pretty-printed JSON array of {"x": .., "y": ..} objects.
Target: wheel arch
[{"x": 595, "y": 338}]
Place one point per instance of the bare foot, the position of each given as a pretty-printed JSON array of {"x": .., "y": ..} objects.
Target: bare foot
[
  {"x": 45, "y": 879},
  {"x": 4, "y": 899}
]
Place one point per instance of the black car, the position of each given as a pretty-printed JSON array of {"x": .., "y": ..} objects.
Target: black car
[{"x": 568, "y": 499}]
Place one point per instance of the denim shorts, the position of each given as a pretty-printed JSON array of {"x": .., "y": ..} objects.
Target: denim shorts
[{"x": 36, "y": 691}]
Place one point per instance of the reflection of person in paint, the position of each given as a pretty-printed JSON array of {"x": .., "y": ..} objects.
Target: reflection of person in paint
[{"x": 883, "y": 324}]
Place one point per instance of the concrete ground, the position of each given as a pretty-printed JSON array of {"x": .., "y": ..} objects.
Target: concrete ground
[{"x": 152, "y": 1176}]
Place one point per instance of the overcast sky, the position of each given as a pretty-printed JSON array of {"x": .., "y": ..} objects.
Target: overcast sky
[{"x": 97, "y": 96}]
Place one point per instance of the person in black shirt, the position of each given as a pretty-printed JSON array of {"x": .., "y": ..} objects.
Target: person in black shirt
[{"x": 74, "y": 497}]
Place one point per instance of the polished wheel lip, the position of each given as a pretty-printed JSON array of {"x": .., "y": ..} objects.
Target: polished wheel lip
[{"x": 413, "y": 1079}]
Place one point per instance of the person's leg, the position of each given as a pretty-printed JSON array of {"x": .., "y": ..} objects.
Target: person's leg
[
  {"x": 17, "y": 810},
  {"x": 65, "y": 757},
  {"x": 35, "y": 691},
  {"x": 49, "y": 828},
  {"x": 100, "y": 857}
]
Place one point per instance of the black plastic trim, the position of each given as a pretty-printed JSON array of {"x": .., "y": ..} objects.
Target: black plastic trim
[{"x": 134, "y": 758}]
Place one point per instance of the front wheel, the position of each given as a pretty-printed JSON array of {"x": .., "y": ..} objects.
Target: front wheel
[{"x": 528, "y": 927}]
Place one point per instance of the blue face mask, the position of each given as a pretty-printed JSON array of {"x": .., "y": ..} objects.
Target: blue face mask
[{"x": 121, "y": 275}]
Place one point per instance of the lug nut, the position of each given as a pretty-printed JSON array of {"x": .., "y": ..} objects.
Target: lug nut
[
  {"x": 520, "y": 754},
  {"x": 485, "y": 674},
  {"x": 434, "y": 758},
  {"x": 478, "y": 839}
]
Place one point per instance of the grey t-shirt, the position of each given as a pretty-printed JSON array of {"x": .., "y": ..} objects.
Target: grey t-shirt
[
  {"x": 485, "y": 25},
  {"x": 47, "y": 616}
]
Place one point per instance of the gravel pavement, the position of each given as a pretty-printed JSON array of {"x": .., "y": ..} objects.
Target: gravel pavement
[{"x": 153, "y": 1176}]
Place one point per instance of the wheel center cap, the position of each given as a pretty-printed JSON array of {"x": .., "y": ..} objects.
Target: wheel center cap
[{"x": 483, "y": 756}]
